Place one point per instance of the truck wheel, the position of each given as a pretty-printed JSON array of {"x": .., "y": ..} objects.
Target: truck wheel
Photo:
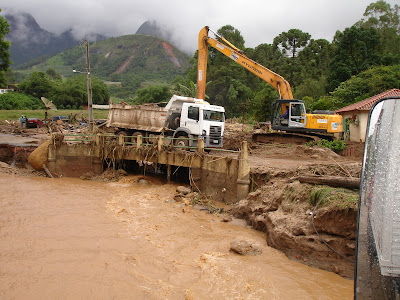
[
  {"x": 174, "y": 120},
  {"x": 180, "y": 143},
  {"x": 152, "y": 139},
  {"x": 135, "y": 135}
]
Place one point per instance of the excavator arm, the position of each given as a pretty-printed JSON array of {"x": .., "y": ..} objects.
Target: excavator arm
[{"x": 225, "y": 47}]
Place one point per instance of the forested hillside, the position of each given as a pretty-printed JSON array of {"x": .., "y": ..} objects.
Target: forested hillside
[{"x": 129, "y": 61}]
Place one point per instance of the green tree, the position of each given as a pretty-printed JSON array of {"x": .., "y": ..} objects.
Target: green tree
[
  {"x": 73, "y": 92},
  {"x": 233, "y": 35},
  {"x": 315, "y": 58},
  {"x": 261, "y": 103},
  {"x": 53, "y": 75},
  {"x": 153, "y": 94},
  {"x": 184, "y": 89},
  {"x": 356, "y": 49},
  {"x": 291, "y": 43},
  {"x": 386, "y": 20},
  {"x": 367, "y": 84},
  {"x": 100, "y": 92},
  {"x": 313, "y": 88},
  {"x": 10, "y": 76},
  {"x": 325, "y": 103},
  {"x": 38, "y": 85},
  {"x": 270, "y": 57},
  {"x": 4, "y": 51},
  {"x": 381, "y": 15},
  {"x": 15, "y": 100},
  {"x": 228, "y": 88},
  {"x": 226, "y": 80}
]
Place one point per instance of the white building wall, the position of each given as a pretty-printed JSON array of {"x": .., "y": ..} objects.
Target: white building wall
[{"x": 358, "y": 130}]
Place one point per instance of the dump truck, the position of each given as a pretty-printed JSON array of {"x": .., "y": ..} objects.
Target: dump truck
[{"x": 182, "y": 120}]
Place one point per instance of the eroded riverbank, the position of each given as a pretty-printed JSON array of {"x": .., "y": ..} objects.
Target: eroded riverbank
[{"x": 74, "y": 239}]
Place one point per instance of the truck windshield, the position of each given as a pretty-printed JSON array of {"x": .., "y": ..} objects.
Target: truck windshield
[{"x": 212, "y": 115}]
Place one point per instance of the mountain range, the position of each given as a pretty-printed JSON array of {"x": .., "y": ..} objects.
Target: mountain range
[
  {"x": 29, "y": 41},
  {"x": 127, "y": 62}
]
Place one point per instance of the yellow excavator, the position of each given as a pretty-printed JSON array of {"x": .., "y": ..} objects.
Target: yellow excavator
[{"x": 289, "y": 118}]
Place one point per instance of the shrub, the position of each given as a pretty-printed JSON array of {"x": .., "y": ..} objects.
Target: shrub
[
  {"x": 335, "y": 145},
  {"x": 15, "y": 100}
]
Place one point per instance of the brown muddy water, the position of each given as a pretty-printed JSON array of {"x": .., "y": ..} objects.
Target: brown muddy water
[{"x": 73, "y": 239}]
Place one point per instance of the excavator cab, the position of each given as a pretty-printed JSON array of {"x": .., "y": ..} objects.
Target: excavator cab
[{"x": 288, "y": 114}]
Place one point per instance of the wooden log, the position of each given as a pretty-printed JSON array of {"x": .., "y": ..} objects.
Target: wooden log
[
  {"x": 47, "y": 171},
  {"x": 345, "y": 182}
]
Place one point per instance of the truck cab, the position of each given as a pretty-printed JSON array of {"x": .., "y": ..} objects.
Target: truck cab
[{"x": 202, "y": 120}]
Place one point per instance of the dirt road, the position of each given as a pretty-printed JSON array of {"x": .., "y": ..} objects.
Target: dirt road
[{"x": 73, "y": 239}]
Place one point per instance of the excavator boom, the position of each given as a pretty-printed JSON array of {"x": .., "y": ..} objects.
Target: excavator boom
[{"x": 275, "y": 80}]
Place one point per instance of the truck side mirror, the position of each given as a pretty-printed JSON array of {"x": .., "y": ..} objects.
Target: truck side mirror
[{"x": 377, "y": 270}]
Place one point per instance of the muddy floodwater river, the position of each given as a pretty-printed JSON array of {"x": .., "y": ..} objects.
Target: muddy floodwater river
[{"x": 73, "y": 239}]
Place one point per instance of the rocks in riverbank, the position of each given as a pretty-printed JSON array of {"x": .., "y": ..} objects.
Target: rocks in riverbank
[{"x": 245, "y": 247}]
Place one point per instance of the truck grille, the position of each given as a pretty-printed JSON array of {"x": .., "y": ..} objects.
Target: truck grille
[{"x": 215, "y": 131}]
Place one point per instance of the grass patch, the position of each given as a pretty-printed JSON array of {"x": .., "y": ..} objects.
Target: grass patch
[
  {"x": 290, "y": 193},
  {"x": 329, "y": 196},
  {"x": 13, "y": 115}
]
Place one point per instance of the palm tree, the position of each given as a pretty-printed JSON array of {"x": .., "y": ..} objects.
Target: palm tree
[{"x": 189, "y": 90}]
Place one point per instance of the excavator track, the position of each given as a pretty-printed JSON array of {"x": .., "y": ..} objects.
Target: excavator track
[{"x": 280, "y": 137}]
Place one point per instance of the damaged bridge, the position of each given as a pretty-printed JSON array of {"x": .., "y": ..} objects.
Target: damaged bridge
[{"x": 224, "y": 177}]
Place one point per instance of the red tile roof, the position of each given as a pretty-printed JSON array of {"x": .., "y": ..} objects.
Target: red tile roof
[{"x": 368, "y": 103}]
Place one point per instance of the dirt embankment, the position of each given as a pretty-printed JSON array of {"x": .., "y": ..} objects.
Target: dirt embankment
[
  {"x": 282, "y": 211},
  {"x": 280, "y": 206}
]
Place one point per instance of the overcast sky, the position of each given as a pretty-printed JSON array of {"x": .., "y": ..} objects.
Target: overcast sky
[{"x": 258, "y": 21}]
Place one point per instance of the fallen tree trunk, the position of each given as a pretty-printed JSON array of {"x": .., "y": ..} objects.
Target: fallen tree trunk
[{"x": 345, "y": 182}]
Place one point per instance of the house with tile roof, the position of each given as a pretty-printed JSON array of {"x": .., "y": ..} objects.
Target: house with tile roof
[{"x": 355, "y": 116}]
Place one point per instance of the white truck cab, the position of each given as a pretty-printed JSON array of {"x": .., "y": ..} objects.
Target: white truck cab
[{"x": 203, "y": 120}]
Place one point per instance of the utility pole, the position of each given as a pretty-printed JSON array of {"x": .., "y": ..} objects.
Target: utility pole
[{"x": 89, "y": 87}]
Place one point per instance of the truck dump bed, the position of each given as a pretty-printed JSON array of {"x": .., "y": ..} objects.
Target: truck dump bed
[{"x": 146, "y": 117}]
